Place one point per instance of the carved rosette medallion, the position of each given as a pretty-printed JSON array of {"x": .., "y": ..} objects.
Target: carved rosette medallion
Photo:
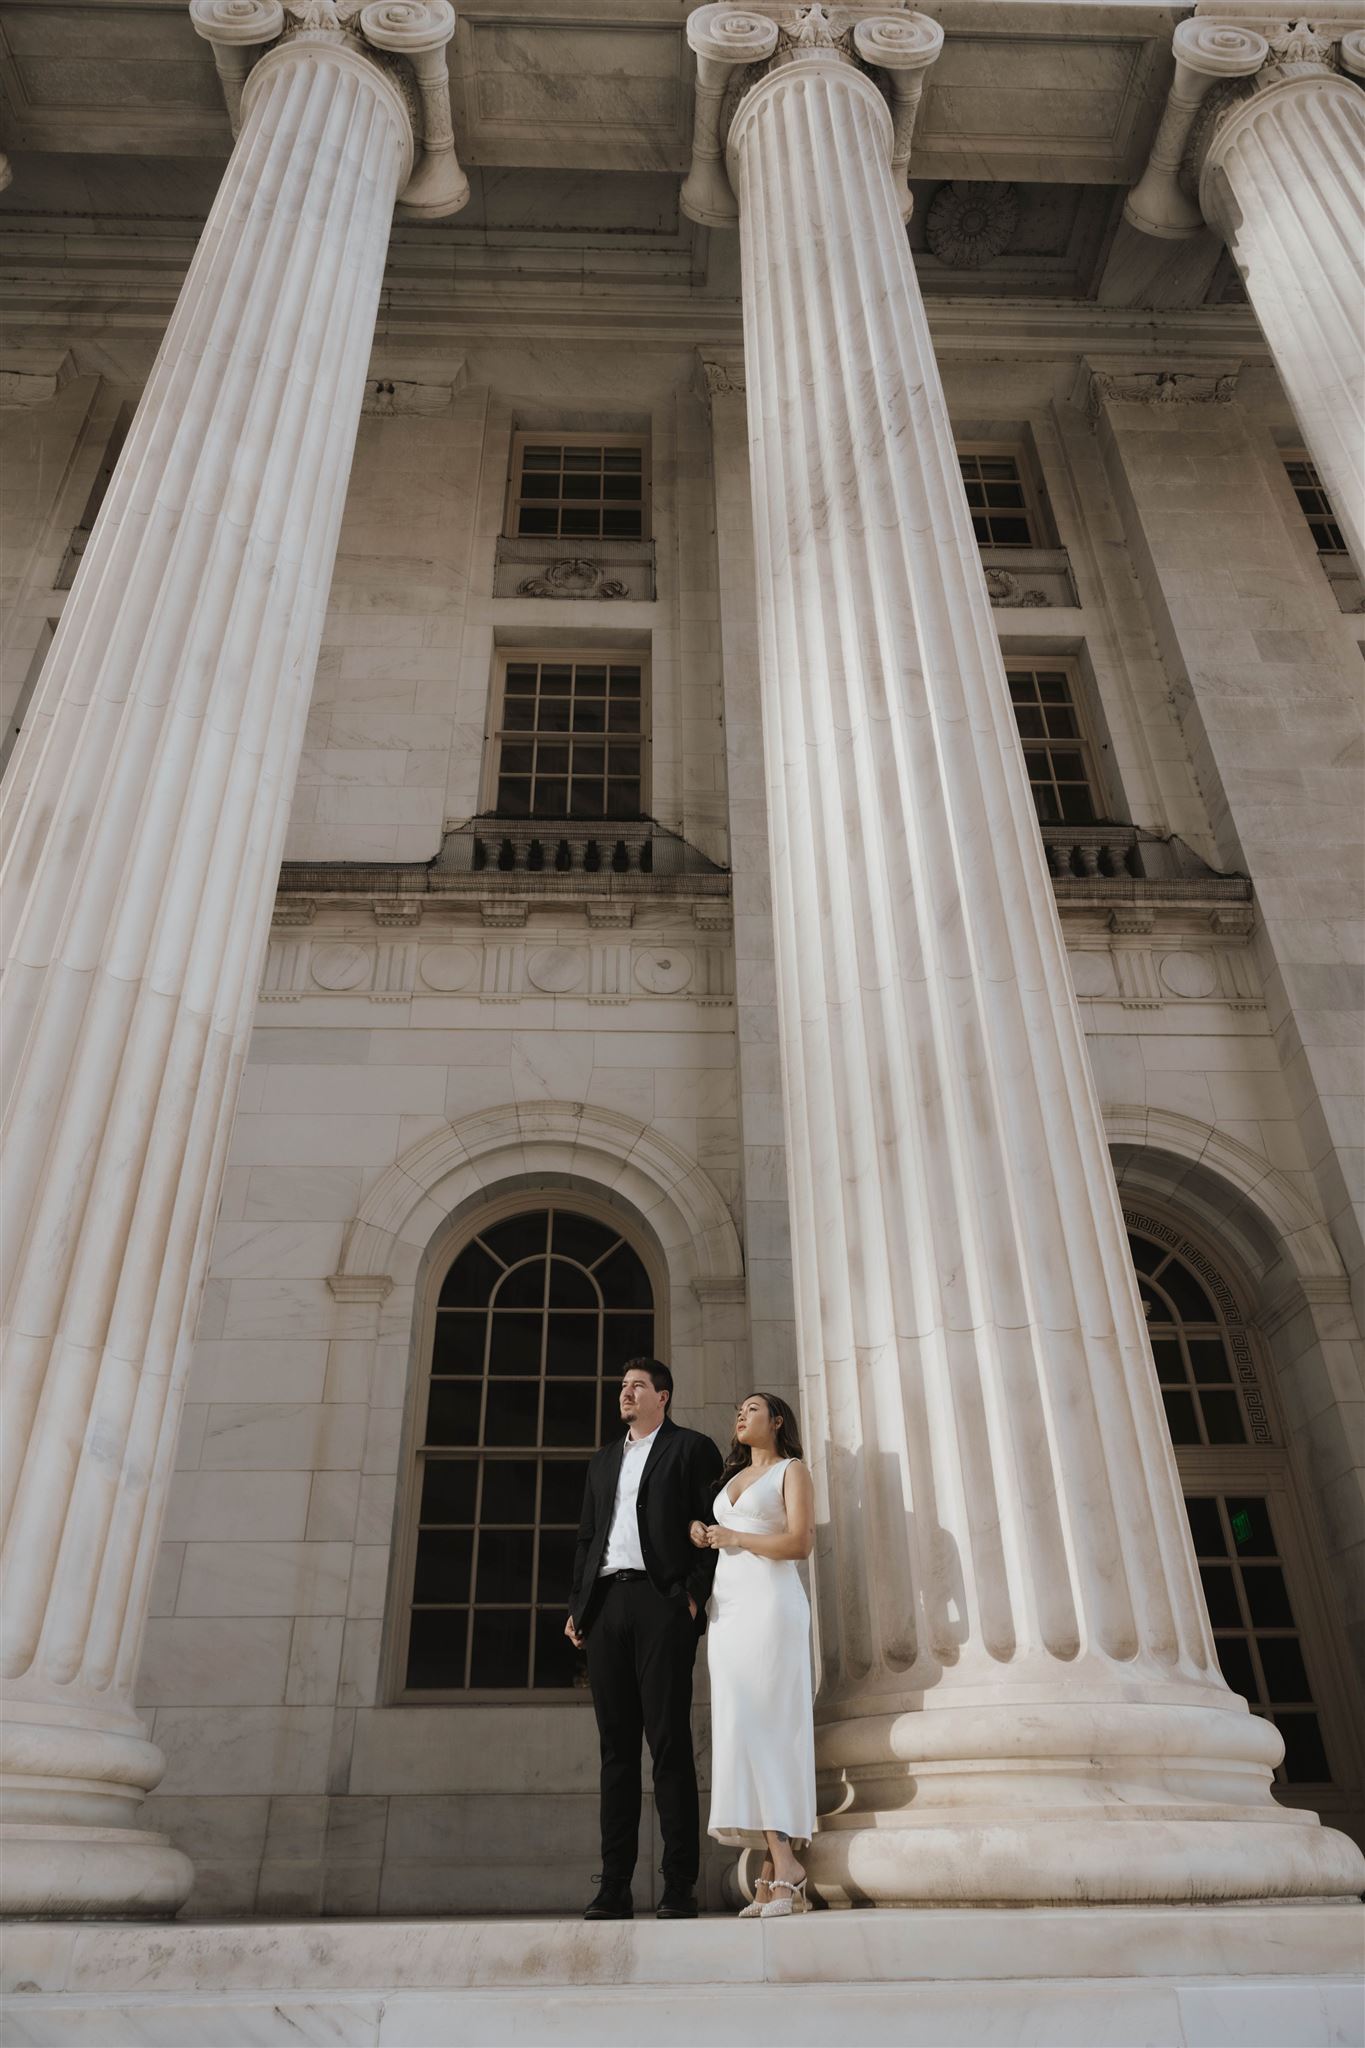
[{"x": 967, "y": 224}]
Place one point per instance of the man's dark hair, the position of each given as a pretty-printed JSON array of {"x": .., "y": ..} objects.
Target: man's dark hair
[{"x": 660, "y": 1378}]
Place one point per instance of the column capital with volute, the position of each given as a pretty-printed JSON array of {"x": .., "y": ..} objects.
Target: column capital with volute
[
  {"x": 737, "y": 47},
  {"x": 405, "y": 39},
  {"x": 1224, "y": 60},
  {"x": 1263, "y": 139}
]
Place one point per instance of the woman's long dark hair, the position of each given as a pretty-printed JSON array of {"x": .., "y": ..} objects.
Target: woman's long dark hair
[{"x": 785, "y": 1427}]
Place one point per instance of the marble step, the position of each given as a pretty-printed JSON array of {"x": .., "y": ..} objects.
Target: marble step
[{"x": 1157, "y": 1977}]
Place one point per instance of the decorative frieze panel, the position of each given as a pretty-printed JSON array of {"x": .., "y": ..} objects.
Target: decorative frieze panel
[
  {"x": 557, "y": 567},
  {"x": 1142, "y": 970},
  {"x": 599, "y": 965},
  {"x": 1028, "y": 579}
]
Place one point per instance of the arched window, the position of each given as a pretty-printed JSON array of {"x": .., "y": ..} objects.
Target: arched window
[
  {"x": 536, "y": 1315},
  {"x": 1257, "y": 1557}
]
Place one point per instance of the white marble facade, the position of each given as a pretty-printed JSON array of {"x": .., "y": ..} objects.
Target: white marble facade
[{"x": 402, "y": 1066}]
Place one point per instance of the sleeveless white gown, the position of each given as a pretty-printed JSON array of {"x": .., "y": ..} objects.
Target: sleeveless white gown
[{"x": 758, "y": 1652}]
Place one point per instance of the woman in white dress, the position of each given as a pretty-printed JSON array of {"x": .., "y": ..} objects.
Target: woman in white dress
[{"x": 762, "y": 1733}]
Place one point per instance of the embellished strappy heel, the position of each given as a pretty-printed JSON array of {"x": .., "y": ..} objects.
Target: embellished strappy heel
[
  {"x": 795, "y": 1900},
  {"x": 757, "y": 1906}
]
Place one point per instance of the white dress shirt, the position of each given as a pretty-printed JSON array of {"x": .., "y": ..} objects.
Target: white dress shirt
[{"x": 623, "y": 1552}]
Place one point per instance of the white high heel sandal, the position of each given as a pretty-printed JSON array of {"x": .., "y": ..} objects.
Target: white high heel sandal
[
  {"x": 794, "y": 1902},
  {"x": 754, "y": 1909}
]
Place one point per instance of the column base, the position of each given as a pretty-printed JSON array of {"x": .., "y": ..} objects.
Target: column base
[
  {"x": 58, "y": 1873},
  {"x": 1015, "y": 1860},
  {"x": 1119, "y": 1803}
]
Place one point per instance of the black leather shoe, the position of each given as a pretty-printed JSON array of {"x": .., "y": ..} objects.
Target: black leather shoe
[
  {"x": 613, "y": 1902},
  {"x": 679, "y": 1902}
]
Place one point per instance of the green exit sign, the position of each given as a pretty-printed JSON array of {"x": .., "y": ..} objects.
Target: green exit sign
[{"x": 1241, "y": 1526}]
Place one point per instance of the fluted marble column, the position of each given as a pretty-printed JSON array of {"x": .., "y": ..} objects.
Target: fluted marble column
[
  {"x": 1020, "y": 1697},
  {"x": 1268, "y": 130},
  {"x": 150, "y": 793}
]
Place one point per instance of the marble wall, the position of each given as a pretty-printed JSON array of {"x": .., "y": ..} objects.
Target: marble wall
[{"x": 291, "y": 1780}]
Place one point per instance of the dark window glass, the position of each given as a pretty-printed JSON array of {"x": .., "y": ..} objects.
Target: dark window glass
[
  {"x": 552, "y": 762},
  {"x": 1220, "y": 1595},
  {"x": 1250, "y": 1524},
  {"x": 1209, "y": 1360},
  {"x": 1286, "y": 1676},
  {"x": 514, "y": 1343},
  {"x": 1223, "y": 1418},
  {"x": 1267, "y": 1597},
  {"x": 1258, "y": 1646},
  {"x": 570, "y": 1286},
  {"x": 509, "y": 1490},
  {"x": 555, "y": 1571},
  {"x": 571, "y": 1412},
  {"x": 562, "y": 1491},
  {"x": 449, "y": 1487},
  {"x": 501, "y": 1652},
  {"x": 497, "y": 1528},
  {"x": 1180, "y": 1286},
  {"x": 469, "y": 1280},
  {"x": 1190, "y": 1350},
  {"x": 1059, "y": 774},
  {"x": 518, "y": 1238},
  {"x": 1305, "y": 1758},
  {"x": 459, "y": 1342},
  {"x": 511, "y": 1415},
  {"x": 1234, "y": 1657},
  {"x": 625, "y": 1278},
  {"x": 580, "y": 488},
  {"x": 453, "y": 1412},
  {"x": 573, "y": 1344},
  {"x": 1180, "y": 1418},
  {"x": 1206, "y": 1526},
  {"x": 436, "y": 1649},
  {"x": 582, "y": 1237},
  {"x": 1316, "y": 507},
  {"x": 994, "y": 488},
  {"x": 443, "y": 1559},
  {"x": 504, "y": 1574}
]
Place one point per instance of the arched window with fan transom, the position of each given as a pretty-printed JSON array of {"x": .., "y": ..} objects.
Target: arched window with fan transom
[{"x": 536, "y": 1314}]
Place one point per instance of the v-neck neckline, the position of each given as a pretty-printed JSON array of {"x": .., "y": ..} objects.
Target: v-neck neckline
[{"x": 776, "y": 1466}]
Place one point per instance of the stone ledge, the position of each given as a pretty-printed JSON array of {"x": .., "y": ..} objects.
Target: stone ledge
[
  {"x": 918, "y": 1945},
  {"x": 1193, "y": 1977}
]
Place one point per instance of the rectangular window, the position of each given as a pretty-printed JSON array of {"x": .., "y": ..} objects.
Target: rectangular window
[
  {"x": 1056, "y": 746},
  {"x": 1315, "y": 505},
  {"x": 579, "y": 486},
  {"x": 1001, "y": 498},
  {"x": 570, "y": 737}
]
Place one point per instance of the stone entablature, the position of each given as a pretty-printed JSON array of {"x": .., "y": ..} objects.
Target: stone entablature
[{"x": 650, "y": 962}]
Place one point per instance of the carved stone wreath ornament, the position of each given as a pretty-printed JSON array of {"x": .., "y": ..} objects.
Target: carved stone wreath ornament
[
  {"x": 572, "y": 578},
  {"x": 1004, "y": 590}
]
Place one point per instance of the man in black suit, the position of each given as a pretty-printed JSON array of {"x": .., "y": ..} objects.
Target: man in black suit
[{"x": 639, "y": 1604}]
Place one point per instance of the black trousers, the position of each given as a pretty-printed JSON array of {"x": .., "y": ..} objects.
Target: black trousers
[{"x": 641, "y": 1648}]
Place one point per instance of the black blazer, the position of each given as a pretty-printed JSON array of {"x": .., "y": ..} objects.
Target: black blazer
[{"x": 677, "y": 1487}]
